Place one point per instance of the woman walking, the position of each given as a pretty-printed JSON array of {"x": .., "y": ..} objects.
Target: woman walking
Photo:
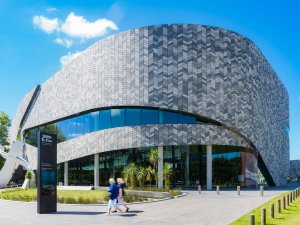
[
  {"x": 113, "y": 193},
  {"x": 121, "y": 186}
]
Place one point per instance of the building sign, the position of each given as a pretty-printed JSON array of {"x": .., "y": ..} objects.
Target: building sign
[{"x": 47, "y": 173}]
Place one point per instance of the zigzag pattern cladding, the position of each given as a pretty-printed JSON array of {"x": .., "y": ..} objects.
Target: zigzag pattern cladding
[
  {"x": 199, "y": 69},
  {"x": 294, "y": 168},
  {"x": 133, "y": 137}
]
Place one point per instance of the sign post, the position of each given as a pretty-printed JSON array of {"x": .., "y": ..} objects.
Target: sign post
[{"x": 47, "y": 173}]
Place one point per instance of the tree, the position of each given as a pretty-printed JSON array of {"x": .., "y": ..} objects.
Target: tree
[
  {"x": 153, "y": 159},
  {"x": 129, "y": 174},
  {"x": 5, "y": 123},
  {"x": 149, "y": 173},
  {"x": 140, "y": 175},
  {"x": 168, "y": 172},
  {"x": 28, "y": 176}
]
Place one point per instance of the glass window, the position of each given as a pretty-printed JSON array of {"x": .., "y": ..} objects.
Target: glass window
[
  {"x": 167, "y": 117},
  {"x": 94, "y": 121},
  {"x": 87, "y": 123},
  {"x": 149, "y": 116},
  {"x": 185, "y": 119},
  {"x": 79, "y": 126},
  {"x": 133, "y": 117},
  {"x": 117, "y": 117},
  {"x": 105, "y": 119}
]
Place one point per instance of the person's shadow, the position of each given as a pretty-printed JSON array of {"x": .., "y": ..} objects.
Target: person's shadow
[
  {"x": 78, "y": 213},
  {"x": 131, "y": 213}
]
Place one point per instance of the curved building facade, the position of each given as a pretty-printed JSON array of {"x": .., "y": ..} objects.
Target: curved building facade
[{"x": 205, "y": 97}]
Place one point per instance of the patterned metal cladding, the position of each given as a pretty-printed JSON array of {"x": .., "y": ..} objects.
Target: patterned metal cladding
[
  {"x": 294, "y": 168},
  {"x": 203, "y": 70}
]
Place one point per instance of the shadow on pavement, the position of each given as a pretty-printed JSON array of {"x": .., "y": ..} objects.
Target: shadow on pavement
[{"x": 78, "y": 213}]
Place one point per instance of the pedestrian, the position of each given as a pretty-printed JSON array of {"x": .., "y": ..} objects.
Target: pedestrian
[
  {"x": 121, "y": 186},
  {"x": 113, "y": 192}
]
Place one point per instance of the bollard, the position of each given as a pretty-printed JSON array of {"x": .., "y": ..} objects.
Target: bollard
[
  {"x": 287, "y": 200},
  {"x": 283, "y": 202},
  {"x": 291, "y": 197},
  {"x": 263, "y": 216},
  {"x": 199, "y": 189},
  {"x": 252, "y": 219},
  {"x": 238, "y": 189},
  {"x": 272, "y": 210},
  {"x": 218, "y": 190},
  {"x": 261, "y": 190},
  {"x": 278, "y": 206}
]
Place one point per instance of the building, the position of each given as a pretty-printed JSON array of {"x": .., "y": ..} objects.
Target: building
[
  {"x": 206, "y": 97},
  {"x": 294, "y": 169}
]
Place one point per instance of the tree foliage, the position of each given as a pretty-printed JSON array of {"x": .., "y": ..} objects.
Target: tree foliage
[{"x": 5, "y": 123}]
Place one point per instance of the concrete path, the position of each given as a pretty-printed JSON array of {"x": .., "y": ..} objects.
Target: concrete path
[{"x": 205, "y": 209}]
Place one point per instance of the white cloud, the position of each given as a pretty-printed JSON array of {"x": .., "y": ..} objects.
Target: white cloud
[
  {"x": 46, "y": 24},
  {"x": 73, "y": 27},
  {"x": 64, "y": 42},
  {"x": 51, "y": 9},
  {"x": 78, "y": 26},
  {"x": 64, "y": 60}
]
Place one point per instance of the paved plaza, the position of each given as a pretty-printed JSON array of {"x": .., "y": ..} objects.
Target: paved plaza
[{"x": 207, "y": 208}]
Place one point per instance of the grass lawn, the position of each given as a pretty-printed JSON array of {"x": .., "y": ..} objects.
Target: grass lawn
[
  {"x": 63, "y": 196},
  {"x": 66, "y": 196},
  {"x": 288, "y": 216}
]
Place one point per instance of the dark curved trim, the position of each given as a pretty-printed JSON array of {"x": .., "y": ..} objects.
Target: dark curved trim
[{"x": 30, "y": 105}]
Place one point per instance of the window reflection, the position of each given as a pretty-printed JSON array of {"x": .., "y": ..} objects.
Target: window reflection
[
  {"x": 109, "y": 118},
  {"x": 117, "y": 118},
  {"x": 149, "y": 116}
]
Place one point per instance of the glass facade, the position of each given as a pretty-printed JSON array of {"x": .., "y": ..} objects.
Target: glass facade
[
  {"x": 109, "y": 118},
  {"x": 231, "y": 166}
]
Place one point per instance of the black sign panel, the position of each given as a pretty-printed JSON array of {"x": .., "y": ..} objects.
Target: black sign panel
[{"x": 47, "y": 173}]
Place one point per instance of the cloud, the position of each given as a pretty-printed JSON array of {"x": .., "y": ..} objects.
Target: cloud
[
  {"x": 64, "y": 42},
  {"x": 46, "y": 24},
  {"x": 78, "y": 26},
  {"x": 64, "y": 60},
  {"x": 51, "y": 9},
  {"x": 73, "y": 27}
]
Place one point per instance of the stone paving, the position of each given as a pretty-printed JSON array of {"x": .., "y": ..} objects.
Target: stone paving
[{"x": 205, "y": 209}]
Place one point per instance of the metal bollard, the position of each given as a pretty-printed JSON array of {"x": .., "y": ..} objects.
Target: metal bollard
[
  {"x": 263, "y": 216},
  {"x": 238, "y": 189},
  {"x": 283, "y": 202},
  {"x": 272, "y": 211},
  {"x": 279, "y": 206},
  {"x": 218, "y": 190},
  {"x": 252, "y": 219},
  {"x": 199, "y": 189},
  {"x": 261, "y": 190}
]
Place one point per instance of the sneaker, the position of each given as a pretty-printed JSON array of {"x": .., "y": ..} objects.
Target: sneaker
[
  {"x": 127, "y": 209},
  {"x": 107, "y": 214},
  {"x": 114, "y": 211}
]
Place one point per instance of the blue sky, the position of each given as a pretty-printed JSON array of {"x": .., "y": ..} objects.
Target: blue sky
[{"x": 36, "y": 37}]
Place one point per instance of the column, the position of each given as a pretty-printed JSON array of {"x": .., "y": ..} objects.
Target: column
[
  {"x": 66, "y": 174},
  {"x": 96, "y": 170},
  {"x": 160, "y": 167},
  {"x": 187, "y": 166},
  {"x": 209, "y": 167}
]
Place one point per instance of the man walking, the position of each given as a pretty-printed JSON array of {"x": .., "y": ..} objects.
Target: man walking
[{"x": 113, "y": 192}]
